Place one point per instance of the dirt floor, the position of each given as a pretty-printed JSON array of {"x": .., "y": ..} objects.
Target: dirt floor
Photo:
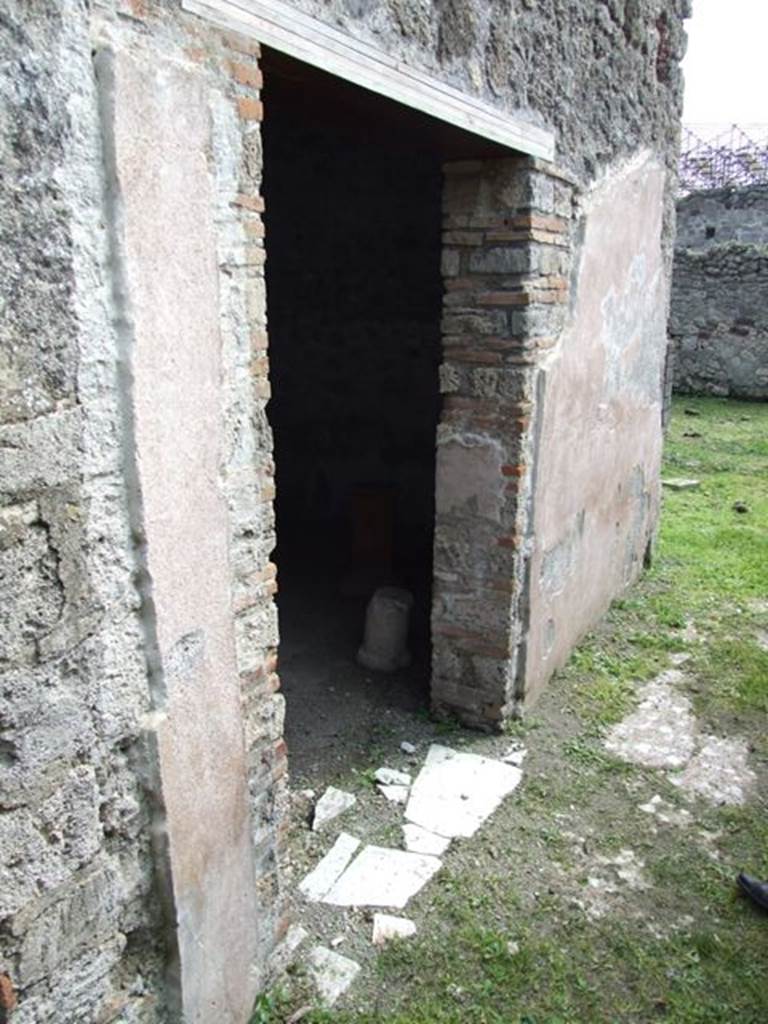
[
  {"x": 335, "y": 709},
  {"x": 603, "y": 889}
]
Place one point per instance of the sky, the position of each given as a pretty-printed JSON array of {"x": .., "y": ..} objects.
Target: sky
[{"x": 726, "y": 64}]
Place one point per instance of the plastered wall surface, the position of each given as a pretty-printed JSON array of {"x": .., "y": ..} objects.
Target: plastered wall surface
[
  {"x": 162, "y": 134},
  {"x": 599, "y": 442},
  {"x": 719, "y": 315}
]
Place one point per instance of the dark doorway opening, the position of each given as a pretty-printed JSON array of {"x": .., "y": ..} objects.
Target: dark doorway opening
[{"x": 354, "y": 294}]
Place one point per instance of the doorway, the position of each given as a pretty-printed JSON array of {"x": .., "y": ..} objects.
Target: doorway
[{"x": 354, "y": 297}]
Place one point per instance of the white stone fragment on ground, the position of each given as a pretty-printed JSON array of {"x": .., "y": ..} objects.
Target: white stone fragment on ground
[
  {"x": 331, "y": 973},
  {"x": 455, "y": 792},
  {"x": 661, "y": 732},
  {"x": 666, "y": 812},
  {"x": 324, "y": 874},
  {"x": 395, "y": 794},
  {"x": 331, "y": 804},
  {"x": 392, "y": 777},
  {"x": 283, "y": 955},
  {"x": 420, "y": 840},
  {"x": 379, "y": 877},
  {"x": 408, "y": 748},
  {"x": 336, "y": 941},
  {"x": 718, "y": 772},
  {"x": 680, "y": 484},
  {"x": 515, "y": 756},
  {"x": 652, "y": 806},
  {"x": 608, "y": 881},
  {"x": 386, "y": 927},
  {"x": 679, "y": 658},
  {"x": 690, "y": 633}
]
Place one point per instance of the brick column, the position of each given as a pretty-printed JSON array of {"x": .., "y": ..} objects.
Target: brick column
[
  {"x": 249, "y": 481},
  {"x": 506, "y": 258}
]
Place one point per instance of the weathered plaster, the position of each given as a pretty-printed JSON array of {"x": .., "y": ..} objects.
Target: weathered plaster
[
  {"x": 162, "y": 134},
  {"x": 599, "y": 450}
]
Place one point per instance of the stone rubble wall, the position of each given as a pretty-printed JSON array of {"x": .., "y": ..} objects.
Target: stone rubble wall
[
  {"x": 93, "y": 904},
  {"x": 719, "y": 316},
  {"x": 80, "y": 933},
  {"x": 604, "y": 74},
  {"x": 709, "y": 219},
  {"x": 100, "y": 689}
]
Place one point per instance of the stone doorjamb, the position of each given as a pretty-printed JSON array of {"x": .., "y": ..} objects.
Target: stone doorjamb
[{"x": 505, "y": 263}]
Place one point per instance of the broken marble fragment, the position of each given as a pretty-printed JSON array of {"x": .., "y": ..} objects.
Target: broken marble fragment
[
  {"x": 680, "y": 484},
  {"x": 515, "y": 756},
  {"x": 392, "y": 777},
  {"x": 386, "y": 927},
  {"x": 331, "y": 973},
  {"x": 661, "y": 732},
  {"x": 395, "y": 794},
  {"x": 455, "y": 792},
  {"x": 421, "y": 840},
  {"x": 331, "y": 804},
  {"x": 718, "y": 772},
  {"x": 284, "y": 952},
  {"x": 324, "y": 874},
  {"x": 379, "y": 877},
  {"x": 408, "y": 748}
]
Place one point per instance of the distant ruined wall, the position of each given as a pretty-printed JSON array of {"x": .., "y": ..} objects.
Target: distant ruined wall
[
  {"x": 708, "y": 219},
  {"x": 719, "y": 315}
]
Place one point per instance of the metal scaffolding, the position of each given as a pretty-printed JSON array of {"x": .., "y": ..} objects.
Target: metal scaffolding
[{"x": 720, "y": 156}]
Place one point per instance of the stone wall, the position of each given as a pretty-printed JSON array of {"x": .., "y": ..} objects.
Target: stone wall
[
  {"x": 709, "y": 219},
  {"x": 80, "y": 933},
  {"x": 142, "y": 770},
  {"x": 604, "y": 74},
  {"x": 141, "y": 759},
  {"x": 719, "y": 315}
]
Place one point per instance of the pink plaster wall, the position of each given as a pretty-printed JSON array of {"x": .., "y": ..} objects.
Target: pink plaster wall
[
  {"x": 596, "y": 493},
  {"x": 162, "y": 143}
]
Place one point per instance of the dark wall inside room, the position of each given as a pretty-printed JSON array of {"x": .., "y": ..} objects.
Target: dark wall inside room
[{"x": 354, "y": 301}]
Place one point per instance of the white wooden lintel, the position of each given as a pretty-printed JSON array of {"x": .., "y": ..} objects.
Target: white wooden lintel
[{"x": 279, "y": 25}]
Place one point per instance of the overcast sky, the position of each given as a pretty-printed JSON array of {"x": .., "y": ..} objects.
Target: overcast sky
[{"x": 726, "y": 65}]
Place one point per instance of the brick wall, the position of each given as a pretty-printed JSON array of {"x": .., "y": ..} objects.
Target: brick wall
[{"x": 506, "y": 261}]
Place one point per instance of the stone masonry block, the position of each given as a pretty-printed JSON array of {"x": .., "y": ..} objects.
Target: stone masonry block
[{"x": 501, "y": 260}]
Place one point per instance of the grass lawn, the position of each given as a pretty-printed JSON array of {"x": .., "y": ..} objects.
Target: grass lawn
[{"x": 573, "y": 904}]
